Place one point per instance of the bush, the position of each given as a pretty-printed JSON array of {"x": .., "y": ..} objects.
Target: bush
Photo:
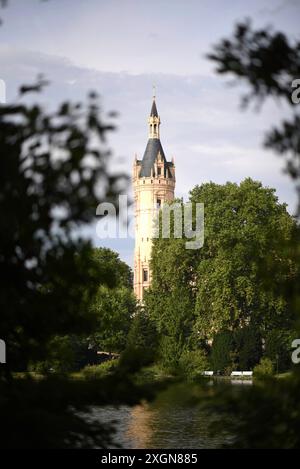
[
  {"x": 151, "y": 374},
  {"x": 264, "y": 368},
  {"x": 99, "y": 371},
  {"x": 41, "y": 367},
  {"x": 192, "y": 363}
]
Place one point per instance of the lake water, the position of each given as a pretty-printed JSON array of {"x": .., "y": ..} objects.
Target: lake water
[{"x": 176, "y": 419}]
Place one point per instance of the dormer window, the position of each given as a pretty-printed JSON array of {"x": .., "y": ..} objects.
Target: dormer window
[{"x": 159, "y": 171}]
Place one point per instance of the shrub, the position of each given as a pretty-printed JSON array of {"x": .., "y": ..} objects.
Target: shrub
[
  {"x": 264, "y": 368},
  {"x": 99, "y": 371},
  {"x": 192, "y": 363}
]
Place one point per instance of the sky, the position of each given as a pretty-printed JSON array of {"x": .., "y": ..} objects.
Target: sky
[{"x": 120, "y": 48}]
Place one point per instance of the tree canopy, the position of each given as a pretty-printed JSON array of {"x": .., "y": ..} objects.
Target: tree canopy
[{"x": 235, "y": 279}]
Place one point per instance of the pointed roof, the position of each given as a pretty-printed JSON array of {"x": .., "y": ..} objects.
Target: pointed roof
[
  {"x": 153, "y": 148},
  {"x": 153, "y": 112}
]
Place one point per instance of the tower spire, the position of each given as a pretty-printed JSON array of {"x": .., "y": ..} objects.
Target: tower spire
[{"x": 154, "y": 119}]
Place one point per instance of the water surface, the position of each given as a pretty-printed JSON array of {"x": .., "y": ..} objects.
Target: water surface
[{"x": 176, "y": 419}]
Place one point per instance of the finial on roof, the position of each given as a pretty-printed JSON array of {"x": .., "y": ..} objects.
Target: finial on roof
[{"x": 154, "y": 112}]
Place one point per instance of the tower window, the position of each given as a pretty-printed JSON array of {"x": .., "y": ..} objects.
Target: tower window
[
  {"x": 145, "y": 275},
  {"x": 158, "y": 171},
  {"x": 158, "y": 203}
]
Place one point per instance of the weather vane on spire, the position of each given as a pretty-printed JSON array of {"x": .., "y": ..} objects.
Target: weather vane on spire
[{"x": 154, "y": 91}]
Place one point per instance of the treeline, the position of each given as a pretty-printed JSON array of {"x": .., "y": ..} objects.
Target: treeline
[{"x": 223, "y": 307}]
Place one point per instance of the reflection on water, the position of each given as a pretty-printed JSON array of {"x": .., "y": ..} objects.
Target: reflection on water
[{"x": 174, "y": 420}]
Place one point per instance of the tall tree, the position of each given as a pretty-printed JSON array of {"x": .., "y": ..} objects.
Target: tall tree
[
  {"x": 246, "y": 233},
  {"x": 196, "y": 293}
]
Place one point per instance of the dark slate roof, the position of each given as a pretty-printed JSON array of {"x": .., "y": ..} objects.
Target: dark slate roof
[
  {"x": 154, "y": 112},
  {"x": 153, "y": 147}
]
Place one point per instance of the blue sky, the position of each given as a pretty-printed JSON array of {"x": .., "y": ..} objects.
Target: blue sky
[{"x": 120, "y": 48}]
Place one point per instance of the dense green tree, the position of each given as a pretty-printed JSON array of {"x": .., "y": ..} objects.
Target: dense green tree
[
  {"x": 234, "y": 280},
  {"x": 246, "y": 232}
]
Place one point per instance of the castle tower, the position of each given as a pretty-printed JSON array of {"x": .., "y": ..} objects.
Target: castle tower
[{"x": 153, "y": 184}]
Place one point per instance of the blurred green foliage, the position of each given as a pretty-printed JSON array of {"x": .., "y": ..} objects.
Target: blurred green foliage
[{"x": 53, "y": 173}]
